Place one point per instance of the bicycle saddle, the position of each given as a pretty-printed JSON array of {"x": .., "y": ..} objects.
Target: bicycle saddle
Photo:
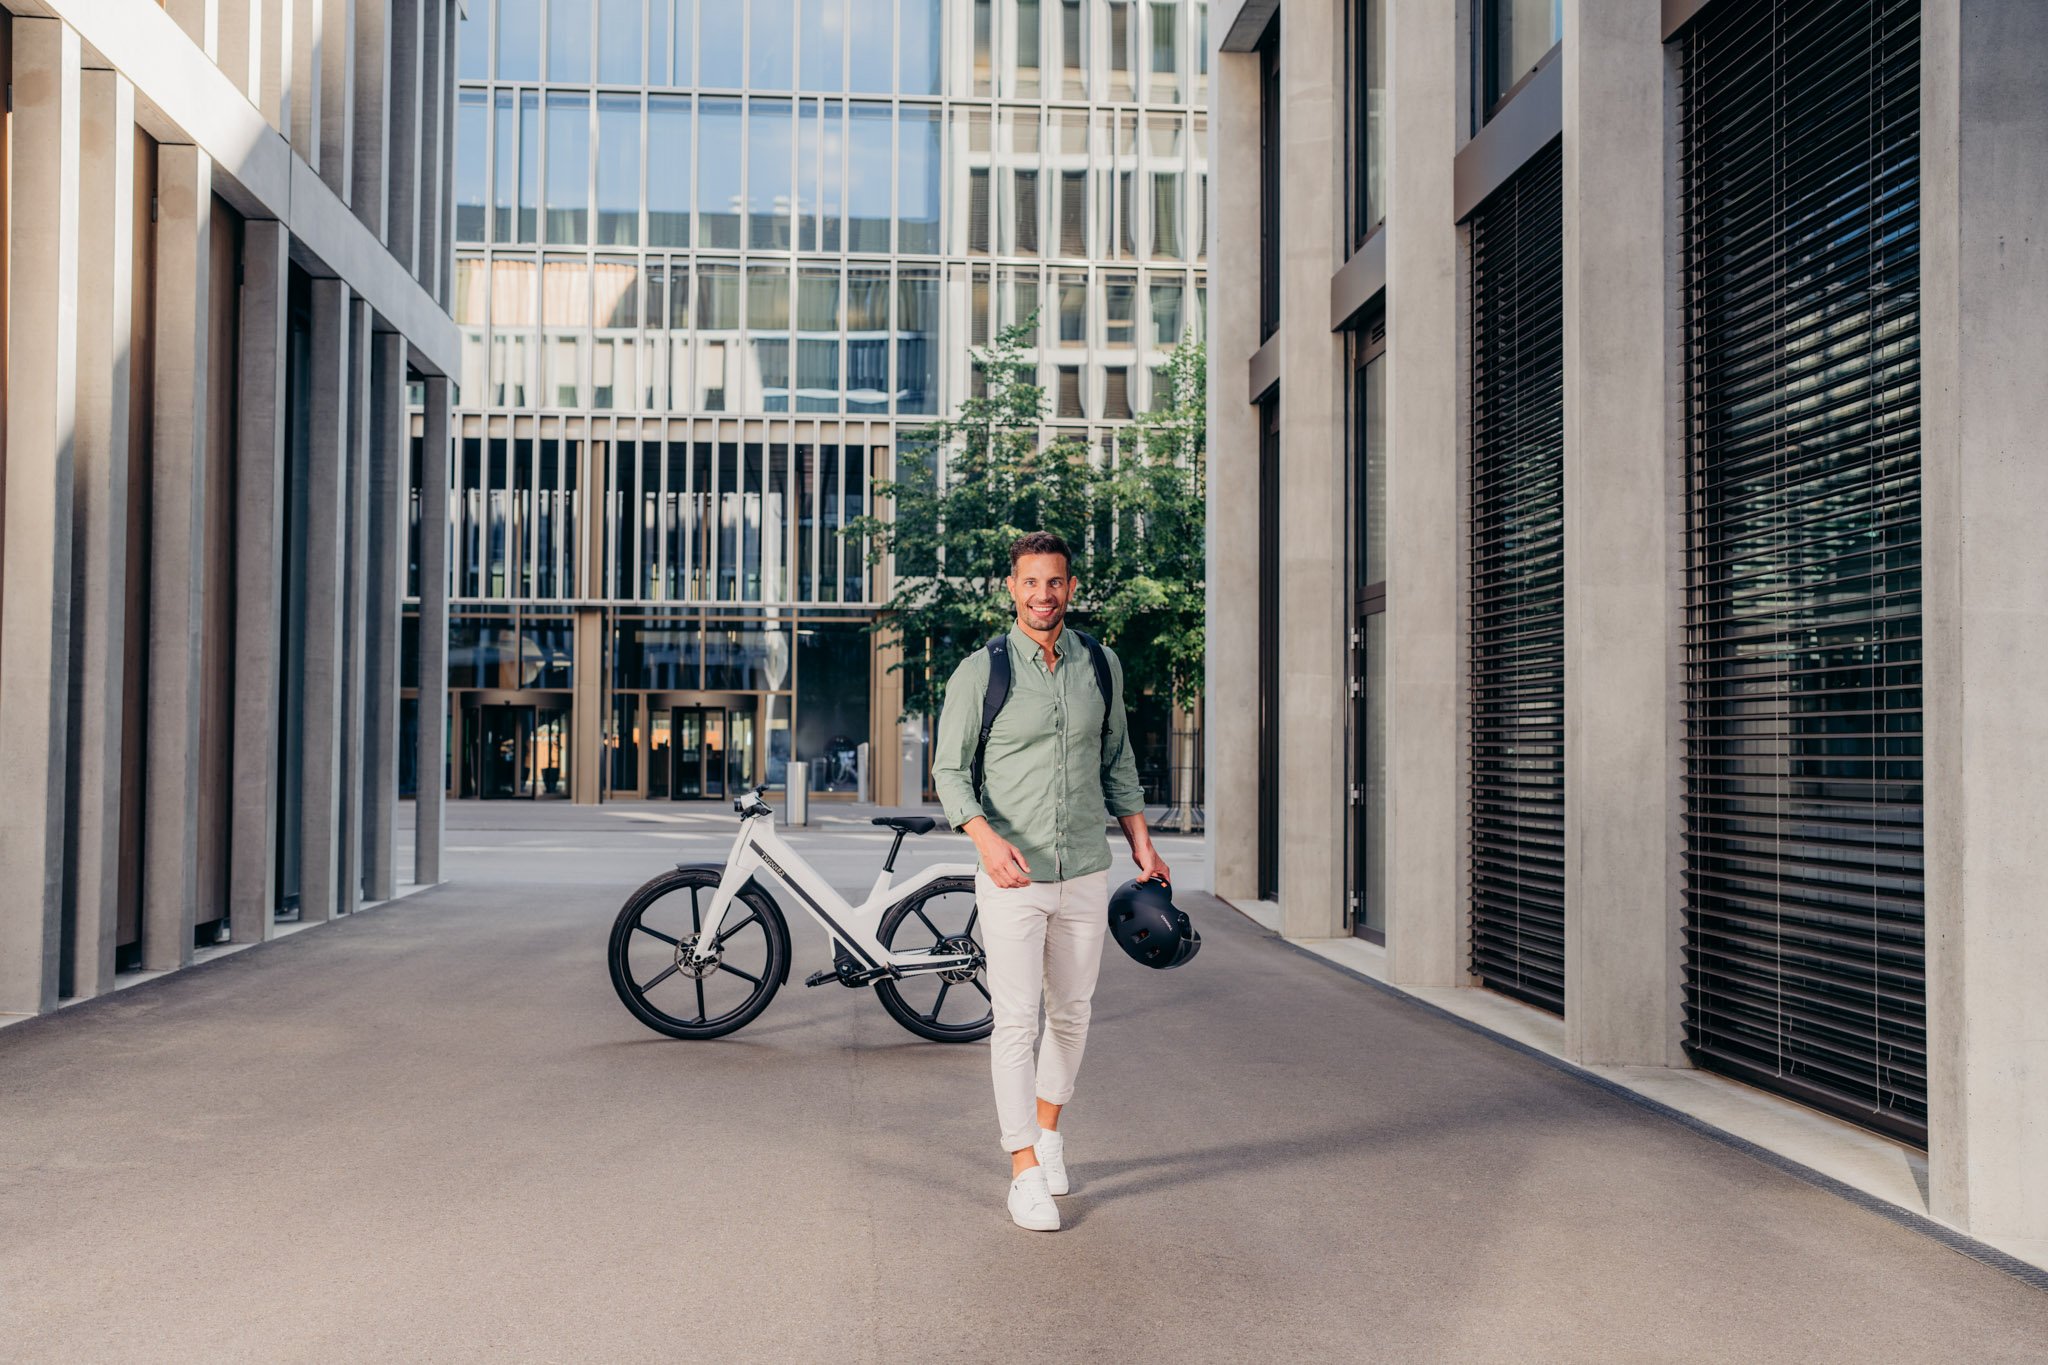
[{"x": 905, "y": 824}]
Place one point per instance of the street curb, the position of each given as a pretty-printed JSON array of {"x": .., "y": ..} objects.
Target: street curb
[{"x": 2025, "y": 1272}]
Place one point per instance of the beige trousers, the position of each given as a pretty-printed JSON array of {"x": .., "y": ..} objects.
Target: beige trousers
[{"x": 1044, "y": 942}]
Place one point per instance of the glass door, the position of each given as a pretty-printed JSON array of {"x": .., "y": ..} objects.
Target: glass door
[
  {"x": 739, "y": 749},
  {"x": 714, "y": 753},
  {"x": 1366, "y": 721},
  {"x": 660, "y": 750},
  {"x": 504, "y": 752},
  {"x": 686, "y": 729}
]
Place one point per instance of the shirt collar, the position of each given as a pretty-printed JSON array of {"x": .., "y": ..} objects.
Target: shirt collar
[{"x": 1022, "y": 643}]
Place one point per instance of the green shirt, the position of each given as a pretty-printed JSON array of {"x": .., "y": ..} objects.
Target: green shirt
[{"x": 1049, "y": 773}]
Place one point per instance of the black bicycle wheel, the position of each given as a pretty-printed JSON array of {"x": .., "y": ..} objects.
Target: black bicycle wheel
[
  {"x": 674, "y": 989},
  {"x": 946, "y": 1007}
]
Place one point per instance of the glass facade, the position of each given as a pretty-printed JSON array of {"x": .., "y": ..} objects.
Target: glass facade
[{"x": 714, "y": 258}]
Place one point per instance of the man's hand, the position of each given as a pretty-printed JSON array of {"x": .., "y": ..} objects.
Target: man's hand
[
  {"x": 1151, "y": 867},
  {"x": 1000, "y": 858}
]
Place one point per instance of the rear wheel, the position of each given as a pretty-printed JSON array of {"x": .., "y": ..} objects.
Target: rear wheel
[
  {"x": 946, "y": 1007},
  {"x": 675, "y": 982}
]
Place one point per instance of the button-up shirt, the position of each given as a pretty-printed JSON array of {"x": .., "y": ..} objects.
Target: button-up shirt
[{"x": 1048, "y": 773}]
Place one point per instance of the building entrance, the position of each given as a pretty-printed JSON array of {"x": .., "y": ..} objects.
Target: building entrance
[
  {"x": 516, "y": 751},
  {"x": 710, "y": 751}
]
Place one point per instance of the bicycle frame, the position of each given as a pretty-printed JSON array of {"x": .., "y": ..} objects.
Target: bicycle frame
[{"x": 759, "y": 848}]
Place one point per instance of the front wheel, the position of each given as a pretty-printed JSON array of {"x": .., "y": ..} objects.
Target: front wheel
[
  {"x": 676, "y": 984},
  {"x": 946, "y": 1007}
]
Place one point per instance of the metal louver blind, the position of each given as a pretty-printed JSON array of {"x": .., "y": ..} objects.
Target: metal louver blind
[
  {"x": 1516, "y": 637},
  {"x": 1804, "y": 945}
]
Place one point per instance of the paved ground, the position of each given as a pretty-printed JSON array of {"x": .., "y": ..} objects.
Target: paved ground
[{"x": 431, "y": 1133}]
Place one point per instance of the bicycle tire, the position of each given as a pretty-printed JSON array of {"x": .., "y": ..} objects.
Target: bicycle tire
[
  {"x": 631, "y": 921},
  {"x": 911, "y": 910}
]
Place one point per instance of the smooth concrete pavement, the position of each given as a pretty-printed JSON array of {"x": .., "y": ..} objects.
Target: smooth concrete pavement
[{"x": 430, "y": 1132}]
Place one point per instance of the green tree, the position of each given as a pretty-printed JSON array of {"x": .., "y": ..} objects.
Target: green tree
[{"x": 951, "y": 535}]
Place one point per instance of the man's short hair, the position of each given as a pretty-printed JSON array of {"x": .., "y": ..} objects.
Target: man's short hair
[{"x": 1040, "y": 543}]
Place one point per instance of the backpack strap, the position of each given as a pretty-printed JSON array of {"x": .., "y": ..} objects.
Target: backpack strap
[
  {"x": 1103, "y": 680},
  {"x": 991, "y": 703}
]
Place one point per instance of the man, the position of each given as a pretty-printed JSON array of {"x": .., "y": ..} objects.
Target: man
[{"x": 1043, "y": 887}]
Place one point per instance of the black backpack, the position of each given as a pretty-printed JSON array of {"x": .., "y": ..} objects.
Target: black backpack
[{"x": 999, "y": 692}]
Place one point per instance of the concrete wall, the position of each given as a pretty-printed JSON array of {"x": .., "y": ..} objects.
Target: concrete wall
[{"x": 216, "y": 89}]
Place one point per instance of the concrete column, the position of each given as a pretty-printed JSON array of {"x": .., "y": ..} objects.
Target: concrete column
[
  {"x": 445, "y": 181},
  {"x": 355, "y": 604},
  {"x": 1426, "y": 912},
  {"x": 1984, "y": 342},
  {"x": 304, "y": 102},
  {"x": 586, "y": 740},
  {"x": 263, "y": 425},
  {"x": 338, "y": 95},
  {"x": 407, "y": 40},
  {"x": 1313, "y": 663},
  {"x": 321, "y": 719},
  {"x": 885, "y": 686},
  {"x": 241, "y": 45},
  {"x": 36, "y": 549},
  {"x": 430, "y": 810},
  {"x": 1232, "y": 668},
  {"x": 177, "y": 539},
  {"x": 1623, "y": 545},
  {"x": 274, "y": 82},
  {"x": 433, "y": 192},
  {"x": 384, "y": 580},
  {"x": 369, "y": 101},
  {"x": 201, "y": 21},
  {"x": 106, "y": 284}
]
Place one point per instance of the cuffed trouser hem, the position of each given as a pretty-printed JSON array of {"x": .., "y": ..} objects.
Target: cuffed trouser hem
[{"x": 1044, "y": 947}]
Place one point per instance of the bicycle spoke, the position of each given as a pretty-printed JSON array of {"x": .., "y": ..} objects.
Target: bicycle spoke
[
  {"x": 939, "y": 1003},
  {"x": 664, "y": 975},
  {"x": 984, "y": 991},
  {"x": 696, "y": 922},
  {"x": 971, "y": 914},
  {"x": 656, "y": 933},
  {"x": 728, "y": 967},
  {"x": 700, "y": 999},
  {"x": 719, "y": 942},
  {"x": 918, "y": 910}
]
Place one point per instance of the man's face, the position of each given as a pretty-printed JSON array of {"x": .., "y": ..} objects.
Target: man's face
[{"x": 1041, "y": 588}]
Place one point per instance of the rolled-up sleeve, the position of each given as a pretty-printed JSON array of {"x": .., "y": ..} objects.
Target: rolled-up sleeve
[
  {"x": 1121, "y": 791},
  {"x": 959, "y": 729}
]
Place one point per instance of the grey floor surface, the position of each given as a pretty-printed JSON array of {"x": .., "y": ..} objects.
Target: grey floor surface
[{"x": 432, "y": 1133}]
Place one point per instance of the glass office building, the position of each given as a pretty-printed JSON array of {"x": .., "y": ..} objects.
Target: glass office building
[{"x": 714, "y": 260}]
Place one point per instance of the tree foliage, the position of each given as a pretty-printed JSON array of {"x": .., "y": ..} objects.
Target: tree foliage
[{"x": 1141, "y": 588}]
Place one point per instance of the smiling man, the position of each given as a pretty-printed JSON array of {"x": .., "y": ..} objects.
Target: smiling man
[{"x": 1032, "y": 796}]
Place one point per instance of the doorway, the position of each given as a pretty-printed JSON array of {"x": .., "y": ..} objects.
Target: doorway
[
  {"x": 517, "y": 751},
  {"x": 710, "y": 751}
]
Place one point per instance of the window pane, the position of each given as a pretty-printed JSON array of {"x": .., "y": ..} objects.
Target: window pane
[
  {"x": 1027, "y": 49},
  {"x": 867, "y": 340},
  {"x": 718, "y": 172},
  {"x": 824, "y": 43},
  {"x": 817, "y": 320},
  {"x": 1372, "y": 533},
  {"x": 519, "y": 40},
  {"x": 1375, "y": 111},
  {"x": 619, "y": 41},
  {"x": 718, "y": 297},
  {"x": 1166, "y": 320},
  {"x": 984, "y": 21},
  {"x": 472, "y": 43},
  {"x": 720, "y": 44},
  {"x": 768, "y": 298},
  {"x": 1119, "y": 303},
  {"x": 568, "y": 204},
  {"x": 1121, "y": 86},
  {"x": 771, "y": 54},
  {"x": 1165, "y": 82},
  {"x": 668, "y": 171},
  {"x": 1166, "y": 235},
  {"x": 565, "y": 292},
  {"x": 569, "y": 40},
  {"x": 618, "y": 170},
  {"x": 917, "y": 191},
  {"x": 529, "y": 166},
  {"x": 917, "y": 346},
  {"x": 870, "y": 26},
  {"x": 1073, "y": 292},
  {"x": 1523, "y": 30},
  {"x": 768, "y": 161},
  {"x": 1073, "y": 68},
  {"x": 1024, "y": 205},
  {"x": 658, "y": 48},
  {"x": 471, "y": 121},
  {"x": 824, "y": 170},
  {"x": 920, "y": 47},
  {"x": 684, "y": 68},
  {"x": 868, "y": 179}
]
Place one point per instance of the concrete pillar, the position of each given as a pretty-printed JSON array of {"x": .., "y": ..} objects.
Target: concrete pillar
[
  {"x": 433, "y": 191},
  {"x": 1232, "y": 668},
  {"x": 587, "y": 709},
  {"x": 274, "y": 83},
  {"x": 885, "y": 686},
  {"x": 1623, "y": 545},
  {"x": 177, "y": 540},
  {"x": 337, "y": 94},
  {"x": 444, "y": 182},
  {"x": 241, "y": 45},
  {"x": 201, "y": 21},
  {"x": 355, "y": 605},
  {"x": 321, "y": 718},
  {"x": 407, "y": 41},
  {"x": 36, "y": 549},
  {"x": 384, "y": 589},
  {"x": 1426, "y": 911},
  {"x": 263, "y": 426},
  {"x": 369, "y": 101},
  {"x": 1984, "y": 343},
  {"x": 430, "y": 810},
  {"x": 1313, "y": 664},
  {"x": 303, "y": 100},
  {"x": 106, "y": 284}
]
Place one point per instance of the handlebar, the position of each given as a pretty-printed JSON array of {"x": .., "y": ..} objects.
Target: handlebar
[{"x": 752, "y": 803}]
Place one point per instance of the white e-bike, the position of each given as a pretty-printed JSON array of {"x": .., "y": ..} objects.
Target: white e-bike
[{"x": 699, "y": 951}]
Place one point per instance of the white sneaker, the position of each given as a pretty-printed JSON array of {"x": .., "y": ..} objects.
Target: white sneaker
[
  {"x": 1031, "y": 1203},
  {"x": 1052, "y": 1156}
]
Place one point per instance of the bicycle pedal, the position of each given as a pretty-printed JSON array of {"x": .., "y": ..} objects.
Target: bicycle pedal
[{"x": 820, "y": 978}]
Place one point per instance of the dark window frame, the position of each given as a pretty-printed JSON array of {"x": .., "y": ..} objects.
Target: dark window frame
[
  {"x": 1367, "y": 343},
  {"x": 1269, "y": 648},
  {"x": 1269, "y": 180}
]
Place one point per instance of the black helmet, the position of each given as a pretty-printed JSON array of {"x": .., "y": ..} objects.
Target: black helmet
[{"x": 1148, "y": 926}]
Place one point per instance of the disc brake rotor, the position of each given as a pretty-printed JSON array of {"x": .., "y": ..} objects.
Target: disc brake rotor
[{"x": 689, "y": 963}]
